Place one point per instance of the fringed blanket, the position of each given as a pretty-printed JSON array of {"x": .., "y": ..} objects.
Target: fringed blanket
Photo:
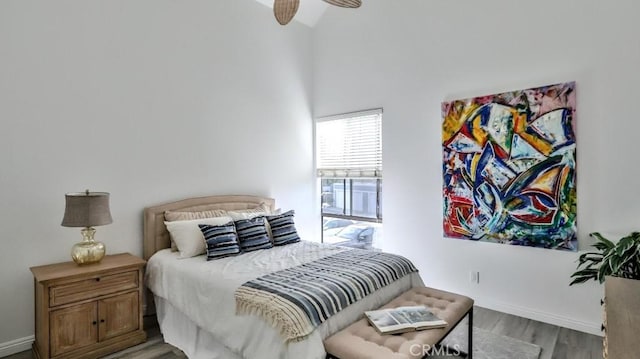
[{"x": 298, "y": 299}]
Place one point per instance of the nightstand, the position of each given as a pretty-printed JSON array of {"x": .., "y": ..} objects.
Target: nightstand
[{"x": 88, "y": 311}]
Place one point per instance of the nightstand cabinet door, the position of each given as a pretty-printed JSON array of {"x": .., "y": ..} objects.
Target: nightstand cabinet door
[
  {"x": 73, "y": 327},
  {"x": 118, "y": 315}
]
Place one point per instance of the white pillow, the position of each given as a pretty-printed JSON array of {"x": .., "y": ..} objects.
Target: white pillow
[
  {"x": 186, "y": 216},
  {"x": 238, "y": 215},
  {"x": 251, "y": 213},
  {"x": 188, "y": 237}
]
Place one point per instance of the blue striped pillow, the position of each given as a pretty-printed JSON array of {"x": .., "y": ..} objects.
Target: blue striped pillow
[
  {"x": 221, "y": 241},
  {"x": 252, "y": 234},
  {"x": 283, "y": 230}
]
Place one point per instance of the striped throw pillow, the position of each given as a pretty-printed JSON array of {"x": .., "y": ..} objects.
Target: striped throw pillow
[
  {"x": 283, "y": 230},
  {"x": 221, "y": 241},
  {"x": 252, "y": 234}
]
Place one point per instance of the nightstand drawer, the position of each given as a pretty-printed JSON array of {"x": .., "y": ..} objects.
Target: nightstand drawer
[{"x": 91, "y": 288}]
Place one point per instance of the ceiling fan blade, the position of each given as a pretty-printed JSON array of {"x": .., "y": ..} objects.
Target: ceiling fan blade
[
  {"x": 345, "y": 3},
  {"x": 285, "y": 10}
]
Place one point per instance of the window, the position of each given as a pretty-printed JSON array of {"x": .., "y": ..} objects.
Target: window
[{"x": 349, "y": 162}]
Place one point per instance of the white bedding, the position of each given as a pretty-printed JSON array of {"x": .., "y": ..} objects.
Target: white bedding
[{"x": 204, "y": 292}]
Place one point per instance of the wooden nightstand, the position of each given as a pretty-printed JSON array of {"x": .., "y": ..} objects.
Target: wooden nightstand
[{"x": 88, "y": 311}]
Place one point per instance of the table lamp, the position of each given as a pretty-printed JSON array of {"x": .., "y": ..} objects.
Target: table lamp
[{"x": 87, "y": 209}]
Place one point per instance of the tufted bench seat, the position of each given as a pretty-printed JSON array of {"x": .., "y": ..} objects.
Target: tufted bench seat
[{"x": 360, "y": 340}]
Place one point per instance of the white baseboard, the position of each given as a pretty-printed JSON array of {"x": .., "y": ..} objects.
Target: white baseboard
[
  {"x": 16, "y": 346},
  {"x": 561, "y": 321}
]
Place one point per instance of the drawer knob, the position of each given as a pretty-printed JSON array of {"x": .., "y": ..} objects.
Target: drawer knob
[
  {"x": 94, "y": 322},
  {"x": 101, "y": 320},
  {"x": 97, "y": 279}
]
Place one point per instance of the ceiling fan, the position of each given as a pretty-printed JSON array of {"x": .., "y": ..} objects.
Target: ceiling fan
[{"x": 285, "y": 10}]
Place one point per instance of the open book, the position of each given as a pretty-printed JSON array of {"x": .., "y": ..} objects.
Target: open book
[{"x": 404, "y": 319}]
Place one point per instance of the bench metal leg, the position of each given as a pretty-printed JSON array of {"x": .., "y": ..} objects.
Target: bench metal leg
[
  {"x": 456, "y": 348},
  {"x": 470, "y": 335}
]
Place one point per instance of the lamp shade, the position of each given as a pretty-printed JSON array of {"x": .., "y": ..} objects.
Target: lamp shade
[
  {"x": 285, "y": 10},
  {"x": 86, "y": 209},
  {"x": 345, "y": 3}
]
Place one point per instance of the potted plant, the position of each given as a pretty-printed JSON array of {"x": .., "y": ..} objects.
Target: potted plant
[
  {"x": 620, "y": 259},
  {"x": 619, "y": 264}
]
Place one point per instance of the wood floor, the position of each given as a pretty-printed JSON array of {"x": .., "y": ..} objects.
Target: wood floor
[{"x": 556, "y": 342}]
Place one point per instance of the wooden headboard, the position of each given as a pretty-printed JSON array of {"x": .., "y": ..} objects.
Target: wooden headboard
[{"x": 156, "y": 236}]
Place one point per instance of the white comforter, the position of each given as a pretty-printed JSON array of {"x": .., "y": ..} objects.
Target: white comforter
[{"x": 204, "y": 291}]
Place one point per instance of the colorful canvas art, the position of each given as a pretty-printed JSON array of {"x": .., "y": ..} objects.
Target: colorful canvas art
[{"x": 509, "y": 167}]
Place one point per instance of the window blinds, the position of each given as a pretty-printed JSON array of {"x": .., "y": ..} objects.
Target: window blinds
[{"x": 350, "y": 145}]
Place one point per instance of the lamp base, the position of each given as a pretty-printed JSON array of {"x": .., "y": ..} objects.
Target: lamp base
[{"x": 88, "y": 251}]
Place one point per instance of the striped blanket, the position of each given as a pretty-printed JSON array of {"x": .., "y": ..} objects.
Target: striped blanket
[{"x": 298, "y": 299}]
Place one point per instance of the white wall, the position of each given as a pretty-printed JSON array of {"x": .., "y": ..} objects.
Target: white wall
[
  {"x": 409, "y": 56},
  {"x": 151, "y": 100}
]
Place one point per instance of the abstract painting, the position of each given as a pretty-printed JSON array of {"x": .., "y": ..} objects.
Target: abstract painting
[{"x": 509, "y": 167}]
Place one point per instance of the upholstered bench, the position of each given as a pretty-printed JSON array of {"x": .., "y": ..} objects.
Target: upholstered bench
[{"x": 360, "y": 340}]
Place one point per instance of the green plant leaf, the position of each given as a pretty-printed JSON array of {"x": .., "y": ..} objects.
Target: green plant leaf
[
  {"x": 601, "y": 246},
  {"x": 625, "y": 244},
  {"x": 615, "y": 264},
  {"x": 585, "y": 272},
  {"x": 590, "y": 257},
  {"x": 621, "y": 259},
  {"x": 602, "y": 241}
]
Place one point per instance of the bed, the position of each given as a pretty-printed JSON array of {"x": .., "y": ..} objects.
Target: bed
[{"x": 195, "y": 298}]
